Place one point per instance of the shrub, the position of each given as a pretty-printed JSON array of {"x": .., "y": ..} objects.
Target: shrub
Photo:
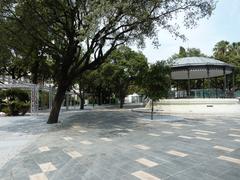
[{"x": 14, "y": 102}]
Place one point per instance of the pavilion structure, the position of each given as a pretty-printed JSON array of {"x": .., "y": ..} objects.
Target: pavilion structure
[
  {"x": 9, "y": 83},
  {"x": 201, "y": 68}
]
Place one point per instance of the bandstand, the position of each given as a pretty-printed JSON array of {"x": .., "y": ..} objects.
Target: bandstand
[{"x": 202, "y": 69}]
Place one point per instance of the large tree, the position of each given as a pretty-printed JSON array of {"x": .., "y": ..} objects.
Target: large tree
[
  {"x": 189, "y": 52},
  {"x": 229, "y": 53},
  {"x": 124, "y": 67},
  {"x": 78, "y": 35}
]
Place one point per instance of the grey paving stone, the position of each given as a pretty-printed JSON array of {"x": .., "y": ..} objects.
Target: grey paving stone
[{"x": 116, "y": 159}]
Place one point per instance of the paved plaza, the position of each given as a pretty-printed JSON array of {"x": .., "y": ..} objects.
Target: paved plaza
[{"x": 109, "y": 144}]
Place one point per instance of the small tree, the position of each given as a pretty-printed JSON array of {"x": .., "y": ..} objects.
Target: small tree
[{"x": 156, "y": 82}]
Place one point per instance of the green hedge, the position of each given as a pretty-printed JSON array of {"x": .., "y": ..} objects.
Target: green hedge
[{"x": 14, "y": 102}]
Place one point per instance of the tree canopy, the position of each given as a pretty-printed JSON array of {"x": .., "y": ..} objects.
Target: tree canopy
[
  {"x": 124, "y": 67},
  {"x": 189, "y": 52},
  {"x": 229, "y": 53},
  {"x": 156, "y": 82}
]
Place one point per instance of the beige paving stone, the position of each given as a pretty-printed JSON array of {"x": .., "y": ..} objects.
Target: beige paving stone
[
  {"x": 177, "y": 153},
  {"x": 203, "y": 131},
  {"x": 234, "y": 135},
  {"x": 223, "y": 148},
  {"x": 167, "y": 132},
  {"x": 186, "y": 137},
  {"x": 46, "y": 167},
  {"x": 39, "y": 176},
  {"x": 142, "y": 147},
  {"x": 144, "y": 176},
  {"x": 67, "y": 138},
  {"x": 76, "y": 127},
  {"x": 176, "y": 127},
  {"x": 106, "y": 139},
  {"x": 203, "y": 138},
  {"x": 210, "y": 124},
  {"x": 82, "y": 131},
  {"x": 118, "y": 129},
  {"x": 74, "y": 154},
  {"x": 234, "y": 129},
  {"x": 122, "y": 134},
  {"x": 229, "y": 159},
  {"x": 236, "y": 140},
  {"x": 43, "y": 149},
  {"x": 86, "y": 142},
  {"x": 146, "y": 162},
  {"x": 153, "y": 134}
]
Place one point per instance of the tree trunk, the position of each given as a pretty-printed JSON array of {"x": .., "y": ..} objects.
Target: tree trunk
[
  {"x": 121, "y": 102},
  {"x": 57, "y": 102},
  {"x": 82, "y": 98},
  {"x": 152, "y": 111},
  {"x": 81, "y": 102},
  {"x": 99, "y": 97}
]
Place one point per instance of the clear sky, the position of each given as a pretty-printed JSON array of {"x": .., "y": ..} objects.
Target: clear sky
[{"x": 224, "y": 24}]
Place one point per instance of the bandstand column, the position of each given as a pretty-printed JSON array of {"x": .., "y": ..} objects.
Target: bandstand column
[
  {"x": 208, "y": 82},
  {"x": 203, "y": 87},
  {"x": 189, "y": 85},
  {"x": 224, "y": 81},
  {"x": 216, "y": 87},
  {"x": 177, "y": 88}
]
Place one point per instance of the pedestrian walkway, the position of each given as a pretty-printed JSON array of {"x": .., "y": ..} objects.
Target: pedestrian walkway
[{"x": 111, "y": 144}]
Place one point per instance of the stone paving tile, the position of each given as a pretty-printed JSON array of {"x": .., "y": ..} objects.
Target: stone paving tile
[
  {"x": 122, "y": 134},
  {"x": 167, "y": 132},
  {"x": 40, "y": 176},
  {"x": 144, "y": 176},
  {"x": 106, "y": 139},
  {"x": 153, "y": 134},
  {"x": 177, "y": 153},
  {"x": 229, "y": 159},
  {"x": 46, "y": 167},
  {"x": 142, "y": 147},
  {"x": 82, "y": 131},
  {"x": 146, "y": 162},
  {"x": 186, "y": 137},
  {"x": 67, "y": 138},
  {"x": 234, "y": 129},
  {"x": 203, "y": 131},
  {"x": 43, "y": 149},
  {"x": 223, "y": 148},
  {"x": 203, "y": 138},
  {"x": 118, "y": 129},
  {"x": 176, "y": 127},
  {"x": 86, "y": 142},
  {"x": 234, "y": 135},
  {"x": 74, "y": 154},
  {"x": 76, "y": 127}
]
